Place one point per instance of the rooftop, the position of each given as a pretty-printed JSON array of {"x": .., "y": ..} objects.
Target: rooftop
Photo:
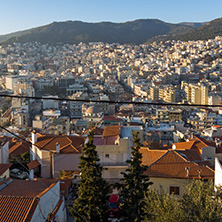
[
  {"x": 174, "y": 165},
  {"x": 68, "y": 144}
]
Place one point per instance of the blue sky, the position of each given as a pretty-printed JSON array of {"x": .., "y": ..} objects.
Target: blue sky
[{"x": 16, "y": 15}]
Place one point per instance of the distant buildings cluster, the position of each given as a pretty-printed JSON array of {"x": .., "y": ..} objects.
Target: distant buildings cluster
[{"x": 179, "y": 143}]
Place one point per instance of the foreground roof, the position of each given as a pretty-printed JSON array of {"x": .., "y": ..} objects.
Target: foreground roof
[
  {"x": 151, "y": 156},
  {"x": 27, "y": 188},
  {"x": 17, "y": 208},
  {"x": 174, "y": 165},
  {"x": 4, "y": 167}
]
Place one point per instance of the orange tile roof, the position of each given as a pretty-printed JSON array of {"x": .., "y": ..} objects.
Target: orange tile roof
[
  {"x": 111, "y": 131},
  {"x": 195, "y": 144},
  {"x": 68, "y": 144},
  {"x": 203, "y": 142},
  {"x": 190, "y": 155},
  {"x": 4, "y": 167},
  {"x": 111, "y": 118},
  {"x": 26, "y": 188},
  {"x": 19, "y": 148},
  {"x": 150, "y": 156},
  {"x": 183, "y": 145},
  {"x": 173, "y": 165},
  {"x": 15, "y": 209},
  {"x": 33, "y": 164}
]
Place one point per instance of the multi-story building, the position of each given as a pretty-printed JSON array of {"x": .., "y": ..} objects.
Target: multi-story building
[
  {"x": 154, "y": 93},
  {"x": 197, "y": 94},
  {"x": 59, "y": 125}
]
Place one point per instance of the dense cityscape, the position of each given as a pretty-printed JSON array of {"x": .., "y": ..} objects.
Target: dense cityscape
[{"x": 44, "y": 139}]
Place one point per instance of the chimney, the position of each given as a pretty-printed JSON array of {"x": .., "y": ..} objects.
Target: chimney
[
  {"x": 188, "y": 170},
  {"x": 34, "y": 137},
  {"x": 57, "y": 147}
]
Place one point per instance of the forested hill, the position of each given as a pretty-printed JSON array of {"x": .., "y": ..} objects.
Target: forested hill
[
  {"x": 207, "y": 31},
  {"x": 137, "y": 32}
]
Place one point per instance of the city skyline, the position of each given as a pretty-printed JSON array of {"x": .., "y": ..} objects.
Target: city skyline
[{"x": 22, "y": 15}]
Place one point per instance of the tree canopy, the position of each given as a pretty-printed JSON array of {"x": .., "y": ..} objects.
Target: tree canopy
[
  {"x": 136, "y": 185},
  {"x": 91, "y": 203}
]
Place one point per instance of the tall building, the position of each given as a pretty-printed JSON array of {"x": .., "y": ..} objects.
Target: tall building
[
  {"x": 197, "y": 94},
  {"x": 154, "y": 93}
]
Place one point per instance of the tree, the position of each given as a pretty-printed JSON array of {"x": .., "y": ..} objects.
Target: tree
[
  {"x": 91, "y": 204},
  {"x": 136, "y": 185},
  {"x": 200, "y": 202},
  {"x": 159, "y": 207}
]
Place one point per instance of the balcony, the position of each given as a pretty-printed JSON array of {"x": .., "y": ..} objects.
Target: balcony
[{"x": 114, "y": 164}]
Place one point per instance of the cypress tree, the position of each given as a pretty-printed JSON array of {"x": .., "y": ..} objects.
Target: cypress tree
[
  {"x": 91, "y": 204},
  {"x": 136, "y": 184}
]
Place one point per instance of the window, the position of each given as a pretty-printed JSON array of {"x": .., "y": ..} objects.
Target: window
[
  {"x": 175, "y": 190},
  {"x": 107, "y": 155}
]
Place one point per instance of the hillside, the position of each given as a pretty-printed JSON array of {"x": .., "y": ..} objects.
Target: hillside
[
  {"x": 138, "y": 31},
  {"x": 207, "y": 31}
]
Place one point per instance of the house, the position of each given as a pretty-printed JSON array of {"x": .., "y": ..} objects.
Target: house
[
  {"x": 18, "y": 148},
  {"x": 4, "y": 151},
  {"x": 205, "y": 148},
  {"x": 113, "y": 152},
  {"x": 174, "y": 170},
  {"x": 111, "y": 120},
  {"x": 38, "y": 200},
  {"x": 4, "y": 170},
  {"x": 150, "y": 156},
  {"x": 55, "y": 153},
  {"x": 113, "y": 148}
]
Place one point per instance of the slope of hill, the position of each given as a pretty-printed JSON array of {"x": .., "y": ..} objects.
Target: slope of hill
[
  {"x": 207, "y": 31},
  {"x": 192, "y": 24},
  {"x": 138, "y": 31}
]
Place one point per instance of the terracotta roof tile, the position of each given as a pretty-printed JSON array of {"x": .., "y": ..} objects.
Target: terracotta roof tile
[
  {"x": 173, "y": 165},
  {"x": 151, "y": 156},
  {"x": 15, "y": 209},
  {"x": 112, "y": 118},
  {"x": 68, "y": 144},
  {"x": 33, "y": 164},
  {"x": 190, "y": 155},
  {"x": 4, "y": 167},
  {"x": 196, "y": 144},
  {"x": 183, "y": 145},
  {"x": 111, "y": 131},
  {"x": 26, "y": 188},
  {"x": 19, "y": 148}
]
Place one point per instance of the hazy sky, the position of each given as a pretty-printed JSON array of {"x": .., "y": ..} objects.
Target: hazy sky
[{"x": 16, "y": 15}]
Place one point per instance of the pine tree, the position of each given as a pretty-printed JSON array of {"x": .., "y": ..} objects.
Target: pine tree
[
  {"x": 136, "y": 185},
  {"x": 91, "y": 203}
]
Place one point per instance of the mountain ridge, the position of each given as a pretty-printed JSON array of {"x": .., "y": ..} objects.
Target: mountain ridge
[{"x": 136, "y": 32}]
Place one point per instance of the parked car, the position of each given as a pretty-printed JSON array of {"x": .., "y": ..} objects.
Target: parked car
[
  {"x": 114, "y": 203},
  {"x": 18, "y": 174}
]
